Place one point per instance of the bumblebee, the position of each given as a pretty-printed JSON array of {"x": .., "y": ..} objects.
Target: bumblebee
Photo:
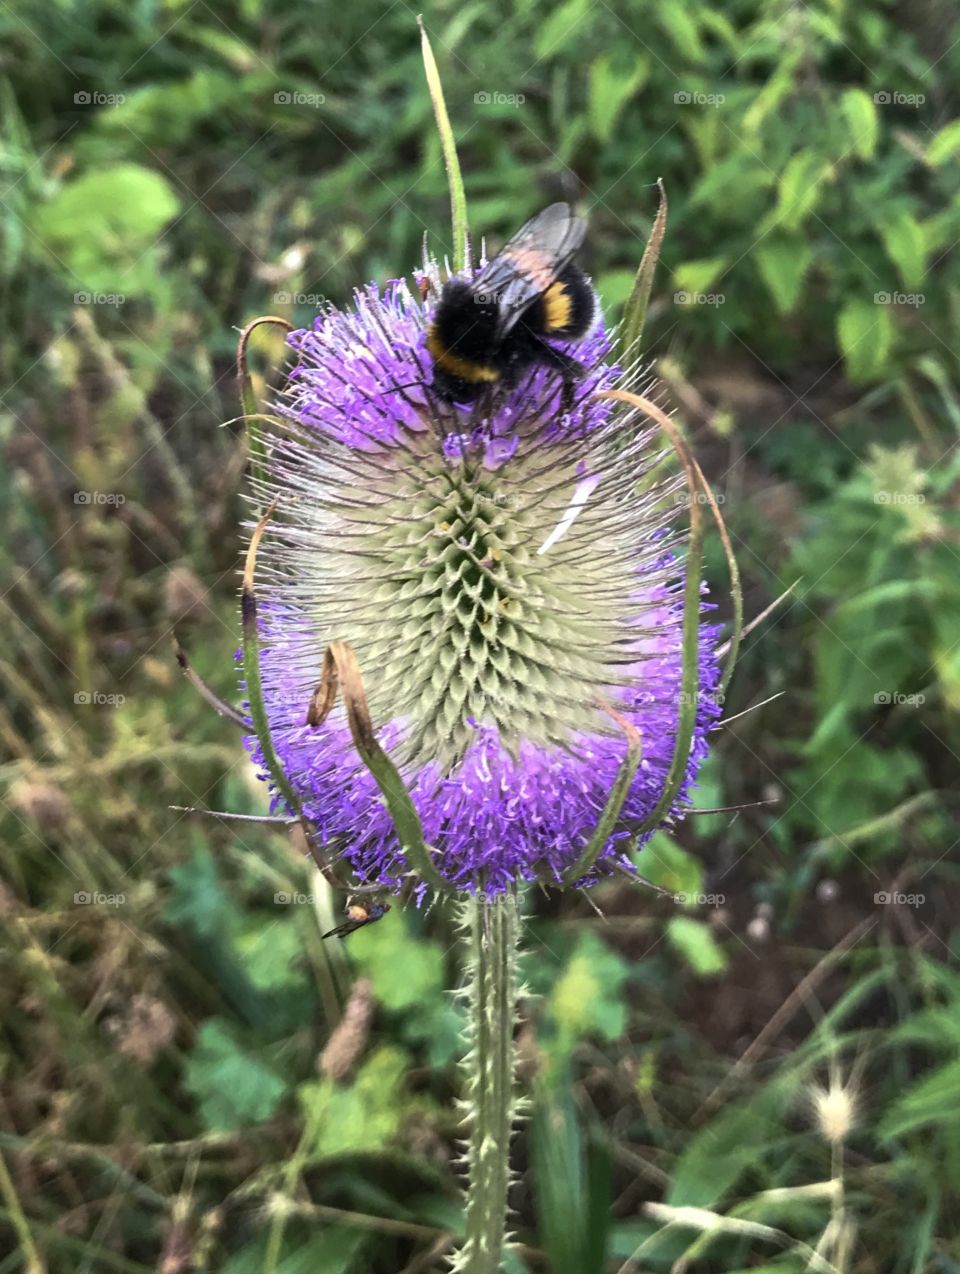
[
  {"x": 358, "y": 914},
  {"x": 488, "y": 330}
]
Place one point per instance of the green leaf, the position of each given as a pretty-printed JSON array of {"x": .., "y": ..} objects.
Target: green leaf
[
  {"x": 438, "y": 1027},
  {"x": 197, "y": 900},
  {"x": 904, "y": 241},
  {"x": 664, "y": 863},
  {"x": 783, "y": 264},
  {"x": 798, "y": 191},
  {"x": 232, "y": 1086},
  {"x": 780, "y": 86},
  {"x": 269, "y": 951},
  {"x": 99, "y": 225},
  {"x": 708, "y": 794},
  {"x": 682, "y": 30},
  {"x": 561, "y": 27},
  {"x": 695, "y": 942},
  {"x": 585, "y": 999},
  {"x": 946, "y": 144},
  {"x": 695, "y": 277},
  {"x": 171, "y": 112},
  {"x": 364, "y": 1115},
  {"x": 860, "y": 113},
  {"x": 330, "y": 1249},
  {"x": 737, "y": 1139},
  {"x": 935, "y": 1099},
  {"x": 932, "y": 368},
  {"x": 610, "y": 88},
  {"x": 572, "y": 1184},
  {"x": 865, "y": 336},
  {"x": 615, "y": 287},
  {"x": 406, "y": 972},
  {"x": 734, "y": 184}
]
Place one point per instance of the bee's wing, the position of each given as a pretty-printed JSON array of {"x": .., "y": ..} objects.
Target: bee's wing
[
  {"x": 341, "y": 931},
  {"x": 529, "y": 262}
]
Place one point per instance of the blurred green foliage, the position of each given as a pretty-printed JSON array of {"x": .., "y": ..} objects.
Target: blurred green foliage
[{"x": 192, "y": 1079}]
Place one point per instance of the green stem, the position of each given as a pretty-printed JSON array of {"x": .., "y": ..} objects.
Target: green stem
[{"x": 491, "y": 931}]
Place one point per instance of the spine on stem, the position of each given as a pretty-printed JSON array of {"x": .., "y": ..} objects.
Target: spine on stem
[{"x": 490, "y": 935}]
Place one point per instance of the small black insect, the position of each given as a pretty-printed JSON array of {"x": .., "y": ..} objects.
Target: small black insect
[
  {"x": 359, "y": 914},
  {"x": 487, "y": 331}
]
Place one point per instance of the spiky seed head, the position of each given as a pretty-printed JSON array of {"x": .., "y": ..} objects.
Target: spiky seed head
[
  {"x": 834, "y": 1108},
  {"x": 505, "y": 576}
]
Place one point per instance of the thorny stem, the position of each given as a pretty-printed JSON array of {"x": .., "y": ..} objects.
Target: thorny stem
[{"x": 490, "y": 934}]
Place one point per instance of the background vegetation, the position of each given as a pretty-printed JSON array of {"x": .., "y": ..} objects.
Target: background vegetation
[{"x": 182, "y": 1088}]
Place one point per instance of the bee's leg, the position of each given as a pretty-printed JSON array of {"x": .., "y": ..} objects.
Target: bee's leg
[{"x": 567, "y": 393}]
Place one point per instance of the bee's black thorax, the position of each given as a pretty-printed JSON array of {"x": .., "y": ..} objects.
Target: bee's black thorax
[{"x": 488, "y": 331}]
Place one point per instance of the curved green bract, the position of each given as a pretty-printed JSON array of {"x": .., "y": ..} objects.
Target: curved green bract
[
  {"x": 458, "y": 197},
  {"x": 611, "y": 811}
]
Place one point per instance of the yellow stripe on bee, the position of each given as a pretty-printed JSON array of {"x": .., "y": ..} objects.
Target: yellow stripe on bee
[
  {"x": 557, "y": 306},
  {"x": 457, "y": 366}
]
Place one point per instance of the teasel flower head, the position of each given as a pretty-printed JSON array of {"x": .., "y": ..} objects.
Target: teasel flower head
[{"x": 510, "y": 580}]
